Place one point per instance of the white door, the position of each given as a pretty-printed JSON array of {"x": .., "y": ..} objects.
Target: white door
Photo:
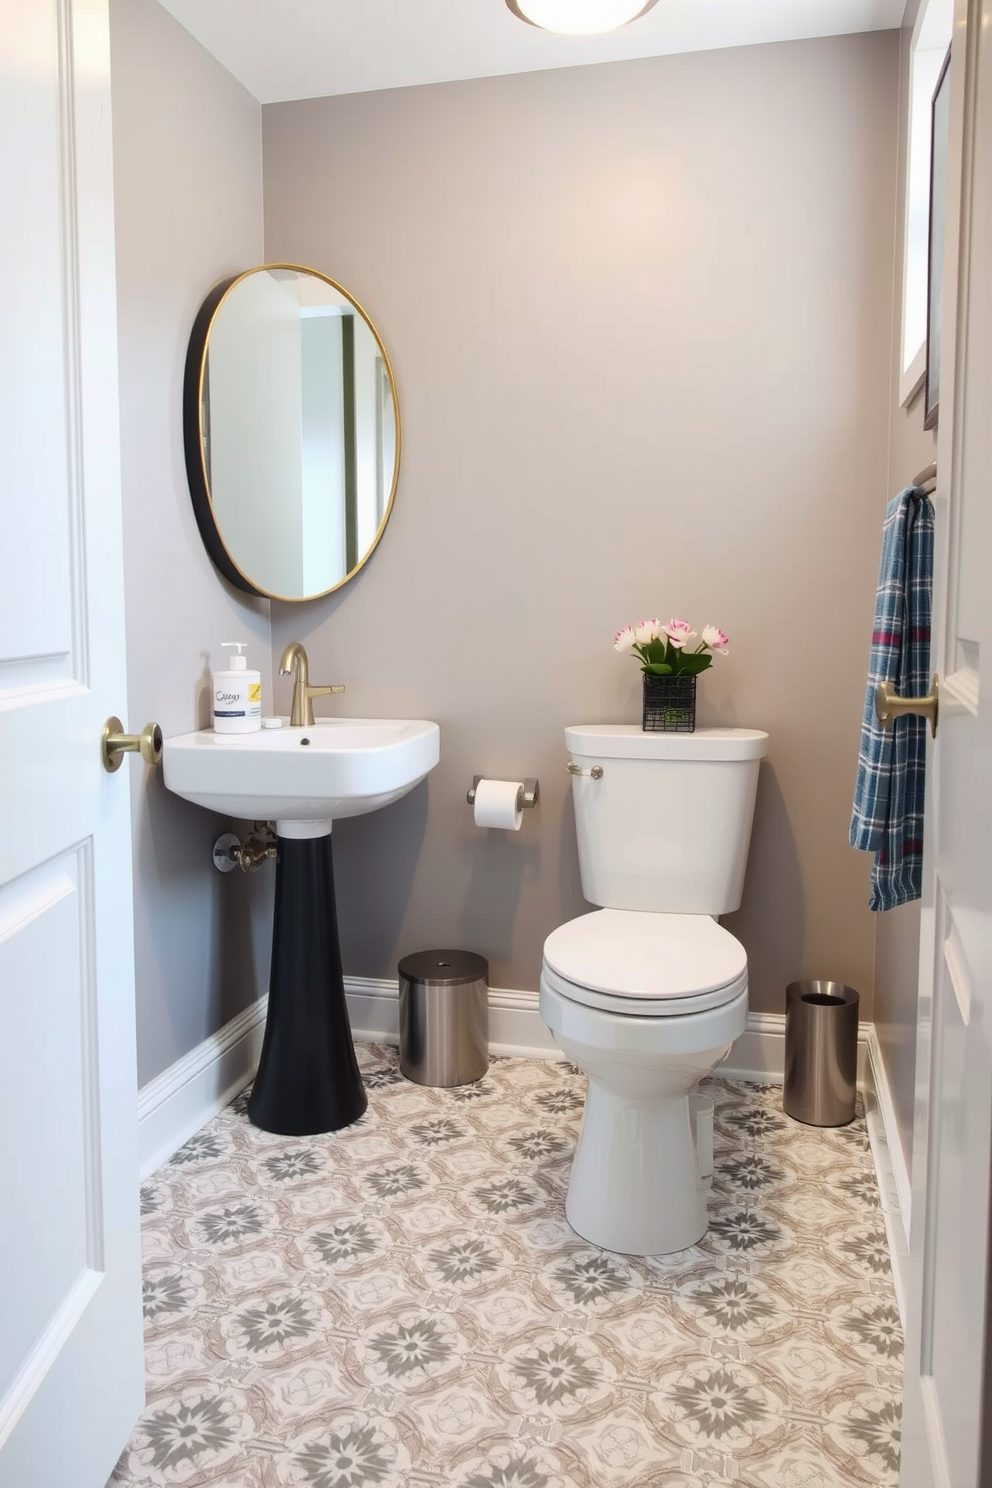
[
  {"x": 947, "y": 1348},
  {"x": 71, "y": 1367}
]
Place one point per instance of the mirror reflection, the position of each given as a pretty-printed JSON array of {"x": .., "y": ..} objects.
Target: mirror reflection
[{"x": 297, "y": 439}]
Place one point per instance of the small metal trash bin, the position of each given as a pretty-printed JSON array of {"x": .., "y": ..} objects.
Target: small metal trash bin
[
  {"x": 444, "y": 1017},
  {"x": 821, "y": 1052}
]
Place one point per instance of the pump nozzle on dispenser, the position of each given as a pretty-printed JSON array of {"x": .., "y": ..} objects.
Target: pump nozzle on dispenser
[{"x": 239, "y": 662}]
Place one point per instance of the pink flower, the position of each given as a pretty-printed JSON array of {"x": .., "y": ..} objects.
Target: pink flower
[
  {"x": 624, "y": 639},
  {"x": 679, "y": 632},
  {"x": 715, "y": 639},
  {"x": 647, "y": 630}
]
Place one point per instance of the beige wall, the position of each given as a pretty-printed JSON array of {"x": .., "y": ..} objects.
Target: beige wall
[
  {"x": 188, "y": 190},
  {"x": 640, "y": 316},
  {"x": 897, "y": 934}
]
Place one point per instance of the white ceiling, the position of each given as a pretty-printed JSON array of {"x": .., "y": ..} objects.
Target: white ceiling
[{"x": 283, "y": 49}]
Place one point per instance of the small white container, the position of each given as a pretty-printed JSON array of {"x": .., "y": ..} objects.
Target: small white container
[{"x": 237, "y": 695}]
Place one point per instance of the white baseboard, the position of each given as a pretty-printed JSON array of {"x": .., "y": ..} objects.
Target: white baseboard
[
  {"x": 185, "y": 1097},
  {"x": 759, "y": 1053},
  {"x": 190, "y": 1092},
  {"x": 894, "y": 1185},
  {"x": 515, "y": 1025}
]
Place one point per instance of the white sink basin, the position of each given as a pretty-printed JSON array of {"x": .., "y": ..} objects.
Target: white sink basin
[{"x": 333, "y": 768}]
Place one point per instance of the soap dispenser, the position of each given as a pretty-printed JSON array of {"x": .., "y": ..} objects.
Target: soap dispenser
[{"x": 237, "y": 695}]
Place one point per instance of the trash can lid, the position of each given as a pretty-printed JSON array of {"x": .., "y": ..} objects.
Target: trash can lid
[
  {"x": 827, "y": 994},
  {"x": 450, "y": 968}
]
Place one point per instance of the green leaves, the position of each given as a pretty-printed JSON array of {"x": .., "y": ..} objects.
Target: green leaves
[
  {"x": 662, "y": 659},
  {"x": 692, "y": 663},
  {"x": 655, "y": 652}
]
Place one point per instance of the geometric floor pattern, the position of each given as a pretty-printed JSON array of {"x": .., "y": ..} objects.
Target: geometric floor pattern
[{"x": 403, "y": 1303}]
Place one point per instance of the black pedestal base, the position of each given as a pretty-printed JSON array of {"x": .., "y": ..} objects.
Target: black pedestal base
[{"x": 308, "y": 1079}]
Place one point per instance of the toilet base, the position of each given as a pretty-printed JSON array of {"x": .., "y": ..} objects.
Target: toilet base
[{"x": 634, "y": 1186}]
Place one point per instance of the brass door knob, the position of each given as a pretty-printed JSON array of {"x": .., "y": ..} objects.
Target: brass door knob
[
  {"x": 115, "y": 744},
  {"x": 889, "y": 707}
]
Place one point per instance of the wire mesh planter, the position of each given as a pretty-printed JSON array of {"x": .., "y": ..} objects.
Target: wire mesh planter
[{"x": 669, "y": 704}]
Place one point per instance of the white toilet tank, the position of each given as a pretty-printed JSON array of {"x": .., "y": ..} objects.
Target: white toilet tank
[{"x": 666, "y": 824}]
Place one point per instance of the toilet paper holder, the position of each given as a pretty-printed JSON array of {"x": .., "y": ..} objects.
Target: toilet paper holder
[{"x": 528, "y": 795}]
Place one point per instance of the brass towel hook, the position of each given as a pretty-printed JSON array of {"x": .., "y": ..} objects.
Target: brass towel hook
[{"x": 889, "y": 707}]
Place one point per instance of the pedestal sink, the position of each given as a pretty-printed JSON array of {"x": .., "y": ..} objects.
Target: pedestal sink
[{"x": 303, "y": 779}]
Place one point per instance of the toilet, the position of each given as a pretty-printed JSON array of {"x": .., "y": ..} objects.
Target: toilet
[{"x": 647, "y": 994}]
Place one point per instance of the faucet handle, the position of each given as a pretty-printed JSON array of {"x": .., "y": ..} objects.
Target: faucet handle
[{"x": 313, "y": 692}]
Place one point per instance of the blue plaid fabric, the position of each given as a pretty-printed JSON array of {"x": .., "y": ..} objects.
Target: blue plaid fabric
[{"x": 888, "y": 795}]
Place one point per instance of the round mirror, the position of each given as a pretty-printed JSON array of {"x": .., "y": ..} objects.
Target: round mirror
[{"x": 292, "y": 431}]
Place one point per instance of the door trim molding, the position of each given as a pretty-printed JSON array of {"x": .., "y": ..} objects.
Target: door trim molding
[{"x": 894, "y": 1185}]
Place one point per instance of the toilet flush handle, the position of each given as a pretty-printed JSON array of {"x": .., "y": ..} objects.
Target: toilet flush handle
[{"x": 573, "y": 769}]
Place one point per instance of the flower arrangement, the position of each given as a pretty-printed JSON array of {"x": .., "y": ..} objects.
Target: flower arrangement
[{"x": 664, "y": 649}]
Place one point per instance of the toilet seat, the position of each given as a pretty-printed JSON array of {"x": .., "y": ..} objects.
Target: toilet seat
[{"x": 644, "y": 964}]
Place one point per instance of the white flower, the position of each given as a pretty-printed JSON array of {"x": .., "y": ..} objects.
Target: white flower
[
  {"x": 715, "y": 639},
  {"x": 647, "y": 630},
  {"x": 624, "y": 639},
  {"x": 679, "y": 632}
]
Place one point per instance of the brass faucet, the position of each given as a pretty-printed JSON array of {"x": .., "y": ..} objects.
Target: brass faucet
[{"x": 294, "y": 659}]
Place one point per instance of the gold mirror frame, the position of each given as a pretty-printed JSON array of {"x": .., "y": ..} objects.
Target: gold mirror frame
[{"x": 193, "y": 433}]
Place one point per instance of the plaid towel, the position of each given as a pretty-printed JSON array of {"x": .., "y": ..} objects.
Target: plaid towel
[{"x": 888, "y": 795}]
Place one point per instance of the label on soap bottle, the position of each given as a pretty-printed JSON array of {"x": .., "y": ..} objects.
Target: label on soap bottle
[
  {"x": 237, "y": 703},
  {"x": 231, "y": 700}
]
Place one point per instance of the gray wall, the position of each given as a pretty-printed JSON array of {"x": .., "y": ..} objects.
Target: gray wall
[
  {"x": 897, "y": 932},
  {"x": 640, "y": 317},
  {"x": 188, "y": 189}
]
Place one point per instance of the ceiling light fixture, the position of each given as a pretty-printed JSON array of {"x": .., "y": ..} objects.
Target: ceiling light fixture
[{"x": 579, "y": 17}]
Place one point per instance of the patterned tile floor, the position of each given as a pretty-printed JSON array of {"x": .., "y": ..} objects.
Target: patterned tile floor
[{"x": 403, "y": 1303}]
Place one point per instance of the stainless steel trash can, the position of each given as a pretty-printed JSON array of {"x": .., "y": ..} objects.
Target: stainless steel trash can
[
  {"x": 444, "y": 1017},
  {"x": 821, "y": 1052}
]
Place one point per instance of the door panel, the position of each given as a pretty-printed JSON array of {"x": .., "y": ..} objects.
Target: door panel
[
  {"x": 947, "y": 1347},
  {"x": 71, "y": 1361},
  {"x": 46, "y": 1048},
  {"x": 952, "y": 1327},
  {"x": 36, "y": 386}
]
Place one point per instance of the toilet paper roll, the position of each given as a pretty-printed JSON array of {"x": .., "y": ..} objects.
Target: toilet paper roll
[{"x": 496, "y": 804}]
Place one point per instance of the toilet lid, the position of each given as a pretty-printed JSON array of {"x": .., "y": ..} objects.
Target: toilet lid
[{"x": 641, "y": 957}]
